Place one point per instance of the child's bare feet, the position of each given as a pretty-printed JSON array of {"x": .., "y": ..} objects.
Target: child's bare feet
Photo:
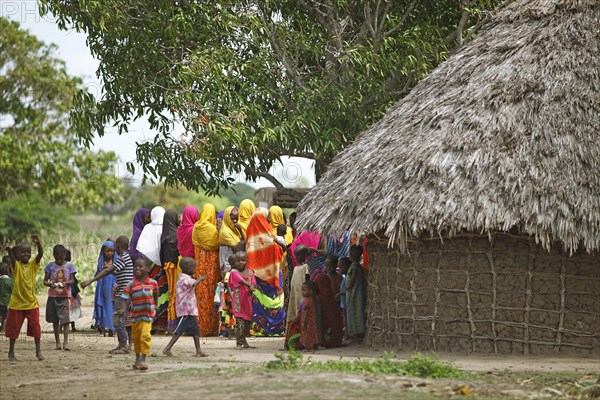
[
  {"x": 201, "y": 354},
  {"x": 57, "y": 347},
  {"x": 66, "y": 347},
  {"x": 167, "y": 352},
  {"x": 39, "y": 356},
  {"x": 142, "y": 366},
  {"x": 11, "y": 357},
  {"x": 240, "y": 347},
  {"x": 135, "y": 366}
]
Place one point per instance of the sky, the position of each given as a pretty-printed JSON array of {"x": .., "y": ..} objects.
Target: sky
[{"x": 71, "y": 47}]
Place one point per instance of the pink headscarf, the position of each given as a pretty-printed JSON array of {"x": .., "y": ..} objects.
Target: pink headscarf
[
  {"x": 308, "y": 239},
  {"x": 185, "y": 245}
]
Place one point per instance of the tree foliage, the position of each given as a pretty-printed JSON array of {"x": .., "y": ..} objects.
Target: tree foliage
[
  {"x": 41, "y": 161},
  {"x": 251, "y": 81}
]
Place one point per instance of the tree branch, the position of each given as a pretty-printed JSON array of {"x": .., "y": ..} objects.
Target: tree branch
[
  {"x": 278, "y": 185},
  {"x": 403, "y": 19}
]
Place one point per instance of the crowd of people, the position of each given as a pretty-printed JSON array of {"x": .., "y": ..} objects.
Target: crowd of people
[{"x": 240, "y": 272}]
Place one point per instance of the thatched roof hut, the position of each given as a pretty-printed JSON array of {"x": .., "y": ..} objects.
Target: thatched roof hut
[
  {"x": 504, "y": 135},
  {"x": 481, "y": 192}
]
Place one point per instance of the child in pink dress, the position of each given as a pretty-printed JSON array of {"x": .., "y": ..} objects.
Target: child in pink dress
[{"x": 242, "y": 283}]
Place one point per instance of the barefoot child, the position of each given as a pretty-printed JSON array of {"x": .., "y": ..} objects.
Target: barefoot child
[
  {"x": 6, "y": 285},
  {"x": 143, "y": 293},
  {"x": 305, "y": 329},
  {"x": 58, "y": 277},
  {"x": 23, "y": 301},
  {"x": 75, "y": 304},
  {"x": 186, "y": 306},
  {"x": 242, "y": 283}
]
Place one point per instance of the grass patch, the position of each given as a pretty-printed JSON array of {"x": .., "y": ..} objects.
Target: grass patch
[{"x": 419, "y": 365}]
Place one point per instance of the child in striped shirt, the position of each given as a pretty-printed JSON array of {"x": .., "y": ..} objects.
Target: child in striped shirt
[{"x": 143, "y": 293}]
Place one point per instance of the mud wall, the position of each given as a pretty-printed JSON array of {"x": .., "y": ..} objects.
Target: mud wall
[{"x": 473, "y": 293}]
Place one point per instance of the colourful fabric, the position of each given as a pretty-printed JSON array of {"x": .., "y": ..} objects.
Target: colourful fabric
[
  {"x": 23, "y": 294},
  {"x": 343, "y": 292},
  {"x": 355, "y": 301},
  {"x": 229, "y": 235},
  {"x": 157, "y": 273},
  {"x": 298, "y": 278},
  {"x": 266, "y": 301},
  {"x": 185, "y": 245},
  {"x": 226, "y": 318},
  {"x": 141, "y": 295},
  {"x": 186, "y": 296},
  {"x": 267, "y": 321},
  {"x": 309, "y": 323},
  {"x": 241, "y": 298},
  {"x": 62, "y": 274},
  {"x": 316, "y": 263},
  {"x": 6, "y": 287},
  {"x": 332, "y": 325},
  {"x": 103, "y": 296},
  {"x": 276, "y": 214},
  {"x": 14, "y": 322},
  {"x": 205, "y": 234},
  {"x": 149, "y": 240},
  {"x": 306, "y": 238},
  {"x": 141, "y": 336},
  {"x": 172, "y": 272},
  {"x": 247, "y": 208},
  {"x": 138, "y": 226},
  {"x": 207, "y": 265},
  {"x": 264, "y": 255}
]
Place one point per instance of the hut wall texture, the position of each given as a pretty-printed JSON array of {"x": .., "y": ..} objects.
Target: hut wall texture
[{"x": 473, "y": 293}]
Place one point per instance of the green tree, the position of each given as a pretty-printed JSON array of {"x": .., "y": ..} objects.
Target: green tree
[
  {"x": 41, "y": 160},
  {"x": 251, "y": 81}
]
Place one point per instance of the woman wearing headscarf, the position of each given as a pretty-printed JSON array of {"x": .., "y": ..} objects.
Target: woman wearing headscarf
[
  {"x": 264, "y": 258},
  {"x": 230, "y": 236},
  {"x": 206, "y": 253},
  {"x": 103, "y": 303},
  {"x": 149, "y": 241},
  {"x": 169, "y": 257},
  {"x": 276, "y": 217},
  {"x": 247, "y": 208},
  {"x": 140, "y": 220},
  {"x": 185, "y": 244}
]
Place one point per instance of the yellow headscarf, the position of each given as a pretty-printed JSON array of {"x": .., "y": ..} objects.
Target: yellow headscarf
[
  {"x": 229, "y": 235},
  {"x": 247, "y": 207},
  {"x": 276, "y": 215},
  {"x": 205, "y": 232}
]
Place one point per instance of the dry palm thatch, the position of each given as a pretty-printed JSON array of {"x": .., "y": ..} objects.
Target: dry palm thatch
[{"x": 504, "y": 135}]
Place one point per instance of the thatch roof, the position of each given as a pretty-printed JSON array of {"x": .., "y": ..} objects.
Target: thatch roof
[{"x": 504, "y": 135}]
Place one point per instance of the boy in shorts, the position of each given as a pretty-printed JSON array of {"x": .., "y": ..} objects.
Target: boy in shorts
[
  {"x": 186, "y": 306},
  {"x": 59, "y": 277},
  {"x": 23, "y": 301}
]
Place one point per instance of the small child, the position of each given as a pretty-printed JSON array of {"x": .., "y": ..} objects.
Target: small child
[
  {"x": 355, "y": 297},
  {"x": 227, "y": 320},
  {"x": 58, "y": 278},
  {"x": 280, "y": 238},
  {"x": 242, "y": 283},
  {"x": 344, "y": 265},
  {"x": 186, "y": 306},
  {"x": 305, "y": 329},
  {"x": 75, "y": 305},
  {"x": 143, "y": 293},
  {"x": 23, "y": 301},
  {"x": 6, "y": 286}
]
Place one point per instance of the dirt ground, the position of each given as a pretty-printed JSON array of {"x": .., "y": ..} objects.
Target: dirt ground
[{"x": 88, "y": 371}]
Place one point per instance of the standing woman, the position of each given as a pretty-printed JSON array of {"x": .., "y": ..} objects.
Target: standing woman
[
  {"x": 206, "y": 253},
  {"x": 185, "y": 245},
  {"x": 103, "y": 302},
  {"x": 264, "y": 258},
  {"x": 169, "y": 257},
  {"x": 332, "y": 325},
  {"x": 230, "y": 236},
  {"x": 276, "y": 218},
  {"x": 149, "y": 246},
  {"x": 140, "y": 220},
  {"x": 247, "y": 208}
]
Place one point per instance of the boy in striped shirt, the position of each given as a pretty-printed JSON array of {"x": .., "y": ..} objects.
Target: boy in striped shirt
[{"x": 143, "y": 294}]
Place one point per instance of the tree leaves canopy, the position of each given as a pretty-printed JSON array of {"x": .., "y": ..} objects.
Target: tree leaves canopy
[{"x": 251, "y": 81}]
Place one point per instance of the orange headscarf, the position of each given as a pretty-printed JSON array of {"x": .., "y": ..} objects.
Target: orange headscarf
[{"x": 264, "y": 255}]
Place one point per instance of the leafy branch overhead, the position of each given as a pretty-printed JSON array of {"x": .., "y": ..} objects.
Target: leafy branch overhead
[{"x": 232, "y": 86}]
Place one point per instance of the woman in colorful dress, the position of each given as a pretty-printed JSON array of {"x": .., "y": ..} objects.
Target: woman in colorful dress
[
  {"x": 332, "y": 325},
  {"x": 205, "y": 239},
  {"x": 103, "y": 301}
]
